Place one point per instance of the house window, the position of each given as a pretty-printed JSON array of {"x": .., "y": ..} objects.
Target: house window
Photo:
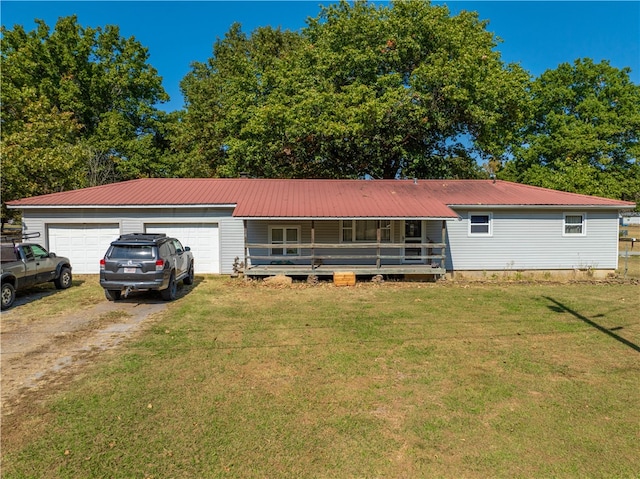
[
  {"x": 287, "y": 237},
  {"x": 480, "y": 224},
  {"x": 575, "y": 224},
  {"x": 365, "y": 231}
]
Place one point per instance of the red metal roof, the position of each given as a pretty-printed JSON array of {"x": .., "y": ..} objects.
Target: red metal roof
[
  {"x": 272, "y": 198},
  {"x": 505, "y": 193}
]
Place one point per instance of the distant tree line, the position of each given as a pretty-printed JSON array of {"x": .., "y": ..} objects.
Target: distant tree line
[{"x": 364, "y": 91}]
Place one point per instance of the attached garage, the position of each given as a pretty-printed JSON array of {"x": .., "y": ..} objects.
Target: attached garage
[
  {"x": 202, "y": 238},
  {"x": 83, "y": 244}
]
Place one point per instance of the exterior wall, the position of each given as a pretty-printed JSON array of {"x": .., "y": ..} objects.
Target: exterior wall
[
  {"x": 521, "y": 240},
  {"x": 132, "y": 220},
  {"x": 533, "y": 240},
  {"x": 231, "y": 243},
  {"x": 325, "y": 232},
  {"x": 37, "y": 220}
]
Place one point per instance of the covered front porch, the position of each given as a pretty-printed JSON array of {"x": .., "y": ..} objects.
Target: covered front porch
[{"x": 400, "y": 247}]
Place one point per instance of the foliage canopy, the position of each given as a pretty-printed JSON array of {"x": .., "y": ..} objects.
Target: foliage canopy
[
  {"x": 78, "y": 108},
  {"x": 363, "y": 90},
  {"x": 583, "y": 134}
]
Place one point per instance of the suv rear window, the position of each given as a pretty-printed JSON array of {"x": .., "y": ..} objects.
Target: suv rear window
[{"x": 132, "y": 252}]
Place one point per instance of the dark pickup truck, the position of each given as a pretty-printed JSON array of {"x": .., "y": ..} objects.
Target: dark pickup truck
[{"x": 28, "y": 264}]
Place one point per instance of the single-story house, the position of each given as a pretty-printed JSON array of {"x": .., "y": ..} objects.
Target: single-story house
[
  {"x": 630, "y": 218},
  {"x": 304, "y": 227}
]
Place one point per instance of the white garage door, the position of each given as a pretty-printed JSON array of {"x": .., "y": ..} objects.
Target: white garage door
[
  {"x": 83, "y": 244},
  {"x": 202, "y": 238}
]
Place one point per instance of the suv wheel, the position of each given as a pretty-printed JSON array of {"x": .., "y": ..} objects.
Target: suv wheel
[
  {"x": 170, "y": 293},
  {"x": 112, "y": 294},
  {"x": 189, "y": 278},
  {"x": 64, "y": 280},
  {"x": 8, "y": 295}
]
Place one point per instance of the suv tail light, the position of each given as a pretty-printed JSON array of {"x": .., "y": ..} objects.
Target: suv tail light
[
  {"x": 102, "y": 264},
  {"x": 159, "y": 264}
]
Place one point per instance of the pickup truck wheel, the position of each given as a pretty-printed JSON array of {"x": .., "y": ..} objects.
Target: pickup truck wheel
[
  {"x": 8, "y": 295},
  {"x": 112, "y": 294},
  {"x": 189, "y": 278},
  {"x": 170, "y": 293},
  {"x": 64, "y": 280}
]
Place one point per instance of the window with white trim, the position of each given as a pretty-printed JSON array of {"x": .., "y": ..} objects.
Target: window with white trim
[
  {"x": 480, "y": 224},
  {"x": 286, "y": 238},
  {"x": 575, "y": 224},
  {"x": 366, "y": 231}
]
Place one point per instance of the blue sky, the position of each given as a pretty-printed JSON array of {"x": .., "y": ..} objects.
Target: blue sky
[{"x": 537, "y": 34}]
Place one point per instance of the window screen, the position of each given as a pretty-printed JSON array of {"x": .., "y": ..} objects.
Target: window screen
[
  {"x": 573, "y": 224},
  {"x": 480, "y": 224}
]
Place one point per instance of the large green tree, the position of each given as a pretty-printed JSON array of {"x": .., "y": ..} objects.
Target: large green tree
[
  {"x": 77, "y": 108},
  {"x": 583, "y": 134},
  {"x": 44, "y": 156},
  {"x": 365, "y": 89},
  {"x": 229, "y": 94}
]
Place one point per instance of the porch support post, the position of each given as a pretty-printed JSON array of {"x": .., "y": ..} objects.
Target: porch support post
[
  {"x": 246, "y": 248},
  {"x": 313, "y": 245},
  {"x": 443, "y": 241},
  {"x": 378, "y": 238}
]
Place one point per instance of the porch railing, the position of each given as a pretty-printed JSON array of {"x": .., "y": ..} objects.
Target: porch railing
[{"x": 314, "y": 258}]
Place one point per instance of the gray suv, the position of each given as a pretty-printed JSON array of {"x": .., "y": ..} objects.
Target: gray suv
[{"x": 141, "y": 261}]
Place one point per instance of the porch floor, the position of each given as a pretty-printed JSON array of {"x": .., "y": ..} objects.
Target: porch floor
[{"x": 329, "y": 270}]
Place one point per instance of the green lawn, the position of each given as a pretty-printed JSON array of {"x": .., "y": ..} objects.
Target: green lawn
[{"x": 393, "y": 381}]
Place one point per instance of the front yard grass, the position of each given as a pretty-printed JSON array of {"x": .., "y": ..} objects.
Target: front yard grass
[{"x": 395, "y": 380}]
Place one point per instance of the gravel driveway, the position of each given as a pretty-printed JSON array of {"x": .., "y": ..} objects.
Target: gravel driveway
[{"x": 38, "y": 354}]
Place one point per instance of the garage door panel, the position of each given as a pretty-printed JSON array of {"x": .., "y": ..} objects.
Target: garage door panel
[
  {"x": 202, "y": 238},
  {"x": 83, "y": 244}
]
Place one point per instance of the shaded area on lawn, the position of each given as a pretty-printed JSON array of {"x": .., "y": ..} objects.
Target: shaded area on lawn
[{"x": 562, "y": 308}]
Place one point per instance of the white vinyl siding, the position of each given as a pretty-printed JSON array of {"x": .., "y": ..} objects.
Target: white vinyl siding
[
  {"x": 231, "y": 243},
  {"x": 533, "y": 240}
]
